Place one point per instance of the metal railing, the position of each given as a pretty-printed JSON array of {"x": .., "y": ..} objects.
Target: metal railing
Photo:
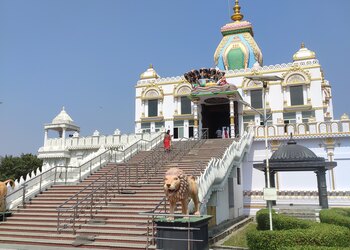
[
  {"x": 161, "y": 208},
  {"x": 82, "y": 207},
  {"x": 72, "y": 174},
  {"x": 152, "y": 237},
  {"x": 158, "y": 158}
]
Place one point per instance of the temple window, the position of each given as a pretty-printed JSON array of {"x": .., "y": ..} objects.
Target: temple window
[
  {"x": 152, "y": 108},
  {"x": 178, "y": 129},
  {"x": 289, "y": 118},
  {"x": 185, "y": 105},
  {"x": 268, "y": 121},
  {"x": 256, "y": 98},
  {"x": 296, "y": 95},
  {"x": 158, "y": 126},
  {"x": 238, "y": 176},
  {"x": 247, "y": 119},
  {"x": 306, "y": 115},
  {"x": 231, "y": 200},
  {"x": 146, "y": 127}
]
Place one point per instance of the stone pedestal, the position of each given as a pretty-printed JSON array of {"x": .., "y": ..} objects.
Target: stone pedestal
[{"x": 183, "y": 233}]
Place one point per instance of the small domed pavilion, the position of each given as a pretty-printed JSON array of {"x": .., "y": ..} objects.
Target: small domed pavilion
[{"x": 294, "y": 157}]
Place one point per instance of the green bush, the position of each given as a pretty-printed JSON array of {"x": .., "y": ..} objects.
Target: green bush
[
  {"x": 280, "y": 222},
  {"x": 337, "y": 216},
  {"x": 315, "y": 248},
  {"x": 292, "y": 232}
]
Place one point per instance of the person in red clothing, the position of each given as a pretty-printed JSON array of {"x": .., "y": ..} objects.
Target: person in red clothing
[
  {"x": 226, "y": 133},
  {"x": 167, "y": 141}
]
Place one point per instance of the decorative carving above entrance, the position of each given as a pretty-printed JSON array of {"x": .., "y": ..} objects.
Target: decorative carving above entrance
[{"x": 217, "y": 100}]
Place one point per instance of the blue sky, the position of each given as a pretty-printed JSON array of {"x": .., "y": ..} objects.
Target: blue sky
[{"x": 87, "y": 55}]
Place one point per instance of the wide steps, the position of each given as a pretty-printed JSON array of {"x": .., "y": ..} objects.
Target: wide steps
[
  {"x": 68, "y": 243},
  {"x": 117, "y": 225}
]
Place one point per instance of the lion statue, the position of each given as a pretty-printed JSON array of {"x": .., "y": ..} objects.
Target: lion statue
[
  {"x": 3, "y": 193},
  {"x": 179, "y": 187}
]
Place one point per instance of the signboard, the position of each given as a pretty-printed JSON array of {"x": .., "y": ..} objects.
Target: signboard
[{"x": 270, "y": 194}]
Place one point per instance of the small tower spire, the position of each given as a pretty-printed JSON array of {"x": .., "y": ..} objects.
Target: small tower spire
[
  {"x": 237, "y": 16},
  {"x": 302, "y": 45}
]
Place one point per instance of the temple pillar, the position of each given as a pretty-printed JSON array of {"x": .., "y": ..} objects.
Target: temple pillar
[
  {"x": 232, "y": 118},
  {"x": 322, "y": 188},
  {"x": 160, "y": 113},
  {"x": 265, "y": 174},
  {"x": 236, "y": 118},
  {"x": 272, "y": 184},
  {"x": 195, "y": 116},
  {"x": 45, "y": 136},
  {"x": 143, "y": 109},
  {"x": 272, "y": 179},
  {"x": 64, "y": 137}
]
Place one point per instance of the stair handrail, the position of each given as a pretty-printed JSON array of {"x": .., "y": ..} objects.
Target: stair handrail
[
  {"x": 113, "y": 181},
  {"x": 91, "y": 200},
  {"x": 62, "y": 208},
  {"x": 157, "y": 158},
  {"x": 46, "y": 179},
  {"x": 199, "y": 138}
]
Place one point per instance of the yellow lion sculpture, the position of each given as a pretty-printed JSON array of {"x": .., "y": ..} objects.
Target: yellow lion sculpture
[
  {"x": 179, "y": 187},
  {"x": 3, "y": 193}
]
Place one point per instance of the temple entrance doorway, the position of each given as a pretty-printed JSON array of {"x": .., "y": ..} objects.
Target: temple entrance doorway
[{"x": 215, "y": 117}]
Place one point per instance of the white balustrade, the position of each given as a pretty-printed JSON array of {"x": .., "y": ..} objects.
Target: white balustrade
[
  {"x": 217, "y": 170},
  {"x": 305, "y": 129}
]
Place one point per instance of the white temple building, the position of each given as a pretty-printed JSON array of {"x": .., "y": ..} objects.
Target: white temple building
[
  {"x": 222, "y": 97},
  {"x": 300, "y": 104}
]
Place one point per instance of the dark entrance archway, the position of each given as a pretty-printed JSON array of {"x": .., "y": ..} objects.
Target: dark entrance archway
[
  {"x": 293, "y": 157},
  {"x": 215, "y": 116}
]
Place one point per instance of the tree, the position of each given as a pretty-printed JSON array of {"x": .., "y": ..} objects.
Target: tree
[{"x": 14, "y": 167}]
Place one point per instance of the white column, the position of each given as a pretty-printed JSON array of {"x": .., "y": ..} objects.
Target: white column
[
  {"x": 177, "y": 105},
  {"x": 143, "y": 112},
  {"x": 64, "y": 137},
  {"x": 160, "y": 113},
  {"x": 45, "y": 136},
  {"x": 195, "y": 115},
  {"x": 232, "y": 119}
]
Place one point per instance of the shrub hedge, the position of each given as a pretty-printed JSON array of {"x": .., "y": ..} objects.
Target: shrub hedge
[
  {"x": 337, "y": 216},
  {"x": 292, "y": 232},
  {"x": 280, "y": 222},
  {"x": 315, "y": 248}
]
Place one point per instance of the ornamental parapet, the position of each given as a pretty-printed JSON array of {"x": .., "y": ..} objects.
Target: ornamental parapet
[
  {"x": 307, "y": 130},
  {"x": 91, "y": 142},
  {"x": 233, "y": 73}
]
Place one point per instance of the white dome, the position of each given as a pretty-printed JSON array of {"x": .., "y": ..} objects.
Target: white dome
[
  {"x": 150, "y": 73},
  {"x": 304, "y": 54},
  {"x": 62, "y": 117}
]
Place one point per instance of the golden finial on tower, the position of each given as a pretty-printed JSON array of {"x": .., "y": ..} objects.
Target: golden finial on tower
[
  {"x": 302, "y": 45},
  {"x": 237, "y": 16}
]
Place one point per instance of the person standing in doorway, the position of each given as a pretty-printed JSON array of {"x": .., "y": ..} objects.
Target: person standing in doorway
[
  {"x": 225, "y": 132},
  {"x": 218, "y": 133},
  {"x": 167, "y": 141}
]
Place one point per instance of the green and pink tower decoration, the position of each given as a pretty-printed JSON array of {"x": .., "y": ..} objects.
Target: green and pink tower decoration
[{"x": 237, "y": 49}]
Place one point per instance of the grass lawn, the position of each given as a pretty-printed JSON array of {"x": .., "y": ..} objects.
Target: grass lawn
[{"x": 238, "y": 238}]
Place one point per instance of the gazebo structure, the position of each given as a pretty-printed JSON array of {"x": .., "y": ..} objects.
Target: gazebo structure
[{"x": 293, "y": 157}]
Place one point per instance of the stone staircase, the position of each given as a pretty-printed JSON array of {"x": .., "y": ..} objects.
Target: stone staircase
[{"x": 117, "y": 225}]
